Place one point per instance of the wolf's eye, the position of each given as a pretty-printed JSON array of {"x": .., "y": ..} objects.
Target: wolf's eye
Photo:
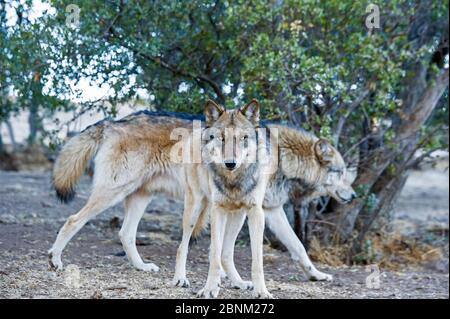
[
  {"x": 211, "y": 137},
  {"x": 336, "y": 172},
  {"x": 245, "y": 140}
]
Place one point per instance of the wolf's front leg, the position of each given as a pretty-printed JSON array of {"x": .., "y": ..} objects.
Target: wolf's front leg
[
  {"x": 279, "y": 225},
  {"x": 233, "y": 227},
  {"x": 218, "y": 221},
  {"x": 256, "y": 229}
]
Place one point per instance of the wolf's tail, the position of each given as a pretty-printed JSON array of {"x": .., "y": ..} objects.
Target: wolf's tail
[
  {"x": 73, "y": 159},
  {"x": 201, "y": 222}
]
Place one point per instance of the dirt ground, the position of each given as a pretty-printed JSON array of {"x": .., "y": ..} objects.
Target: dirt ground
[{"x": 95, "y": 265}]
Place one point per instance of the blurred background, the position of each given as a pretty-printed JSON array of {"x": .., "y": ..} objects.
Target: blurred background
[{"x": 372, "y": 78}]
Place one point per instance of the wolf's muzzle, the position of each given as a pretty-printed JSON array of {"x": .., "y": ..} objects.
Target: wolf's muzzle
[
  {"x": 230, "y": 165},
  {"x": 353, "y": 196},
  {"x": 349, "y": 199}
]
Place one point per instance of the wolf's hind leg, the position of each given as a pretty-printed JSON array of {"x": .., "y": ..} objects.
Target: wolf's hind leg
[
  {"x": 279, "y": 225},
  {"x": 135, "y": 205},
  {"x": 193, "y": 208},
  {"x": 232, "y": 229},
  {"x": 98, "y": 202}
]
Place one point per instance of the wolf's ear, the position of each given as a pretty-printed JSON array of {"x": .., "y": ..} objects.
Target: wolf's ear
[
  {"x": 251, "y": 112},
  {"x": 212, "y": 112},
  {"x": 324, "y": 151}
]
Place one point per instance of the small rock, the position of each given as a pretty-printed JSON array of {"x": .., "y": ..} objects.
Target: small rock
[
  {"x": 8, "y": 219},
  {"x": 151, "y": 286},
  {"x": 46, "y": 204},
  {"x": 154, "y": 226},
  {"x": 97, "y": 295},
  {"x": 120, "y": 254}
]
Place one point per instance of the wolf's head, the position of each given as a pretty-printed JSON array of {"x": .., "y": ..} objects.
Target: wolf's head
[
  {"x": 313, "y": 165},
  {"x": 230, "y": 135},
  {"x": 332, "y": 180}
]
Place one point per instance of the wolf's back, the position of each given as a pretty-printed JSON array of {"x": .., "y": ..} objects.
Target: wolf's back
[{"x": 73, "y": 160}]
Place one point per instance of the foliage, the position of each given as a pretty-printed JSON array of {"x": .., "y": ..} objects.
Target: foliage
[{"x": 25, "y": 66}]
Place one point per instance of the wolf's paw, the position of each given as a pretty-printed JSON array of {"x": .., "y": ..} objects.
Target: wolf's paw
[
  {"x": 262, "y": 294},
  {"x": 320, "y": 276},
  {"x": 182, "y": 282},
  {"x": 54, "y": 262},
  {"x": 244, "y": 285},
  {"x": 209, "y": 292},
  {"x": 148, "y": 267}
]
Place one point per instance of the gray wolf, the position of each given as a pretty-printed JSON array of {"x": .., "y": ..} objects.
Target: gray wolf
[
  {"x": 311, "y": 164},
  {"x": 233, "y": 184}
]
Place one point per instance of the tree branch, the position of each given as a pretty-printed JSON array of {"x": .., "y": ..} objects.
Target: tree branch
[
  {"x": 350, "y": 110},
  {"x": 175, "y": 71},
  {"x": 420, "y": 112}
]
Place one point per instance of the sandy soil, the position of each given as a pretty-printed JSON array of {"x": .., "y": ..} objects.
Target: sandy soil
[
  {"x": 425, "y": 201},
  {"x": 96, "y": 267}
]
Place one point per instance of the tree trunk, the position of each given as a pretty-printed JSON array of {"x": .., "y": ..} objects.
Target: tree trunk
[
  {"x": 1, "y": 141},
  {"x": 302, "y": 214},
  {"x": 386, "y": 175},
  {"x": 389, "y": 189},
  {"x": 33, "y": 121},
  {"x": 11, "y": 135}
]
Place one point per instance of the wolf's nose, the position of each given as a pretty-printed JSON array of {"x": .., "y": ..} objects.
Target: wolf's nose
[
  {"x": 230, "y": 165},
  {"x": 354, "y": 195}
]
